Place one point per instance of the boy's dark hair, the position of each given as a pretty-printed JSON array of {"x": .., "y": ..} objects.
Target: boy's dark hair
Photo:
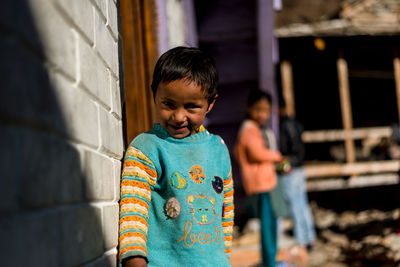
[
  {"x": 188, "y": 63},
  {"x": 257, "y": 94}
]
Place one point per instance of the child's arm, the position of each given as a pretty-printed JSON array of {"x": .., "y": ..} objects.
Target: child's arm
[
  {"x": 256, "y": 149},
  {"x": 227, "y": 218},
  {"x": 138, "y": 179}
]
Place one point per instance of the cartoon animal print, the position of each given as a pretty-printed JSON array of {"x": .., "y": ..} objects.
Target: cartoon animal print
[
  {"x": 217, "y": 184},
  {"x": 202, "y": 208},
  {"x": 178, "y": 180},
  {"x": 197, "y": 174}
]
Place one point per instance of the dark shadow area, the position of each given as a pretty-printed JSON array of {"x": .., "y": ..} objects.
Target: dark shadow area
[
  {"x": 45, "y": 217},
  {"x": 380, "y": 197}
]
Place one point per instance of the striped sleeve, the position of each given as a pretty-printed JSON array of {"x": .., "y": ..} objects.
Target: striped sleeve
[
  {"x": 139, "y": 177},
  {"x": 227, "y": 219}
]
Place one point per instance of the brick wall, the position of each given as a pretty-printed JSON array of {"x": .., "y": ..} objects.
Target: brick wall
[{"x": 61, "y": 139}]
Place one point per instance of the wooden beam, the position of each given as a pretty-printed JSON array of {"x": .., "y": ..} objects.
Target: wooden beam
[
  {"x": 360, "y": 181},
  {"x": 350, "y": 169},
  {"x": 287, "y": 87},
  {"x": 345, "y": 104},
  {"x": 339, "y": 134},
  {"x": 396, "y": 67}
]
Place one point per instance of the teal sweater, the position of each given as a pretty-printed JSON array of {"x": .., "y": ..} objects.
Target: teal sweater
[{"x": 177, "y": 200}]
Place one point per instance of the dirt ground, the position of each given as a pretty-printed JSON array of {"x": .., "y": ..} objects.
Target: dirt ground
[{"x": 349, "y": 238}]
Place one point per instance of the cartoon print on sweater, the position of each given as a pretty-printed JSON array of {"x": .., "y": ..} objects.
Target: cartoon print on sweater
[
  {"x": 178, "y": 180},
  {"x": 202, "y": 208},
  {"x": 197, "y": 174},
  {"x": 217, "y": 184}
]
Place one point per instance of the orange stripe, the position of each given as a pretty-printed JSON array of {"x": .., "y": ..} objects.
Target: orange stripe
[
  {"x": 228, "y": 251},
  {"x": 134, "y": 201},
  {"x": 140, "y": 165},
  {"x": 131, "y": 248},
  {"x": 128, "y": 218},
  {"x": 228, "y": 238},
  {"x": 135, "y": 183},
  {"x": 229, "y": 208},
  {"x": 228, "y": 194},
  {"x": 226, "y": 182},
  {"x": 226, "y": 224}
]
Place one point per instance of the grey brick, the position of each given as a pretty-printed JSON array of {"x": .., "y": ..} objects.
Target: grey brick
[
  {"x": 105, "y": 44},
  {"x": 78, "y": 110},
  {"x": 30, "y": 99},
  {"x": 57, "y": 37},
  {"x": 46, "y": 168},
  {"x": 102, "y": 5},
  {"x": 112, "y": 18},
  {"x": 93, "y": 74},
  {"x": 111, "y": 134},
  {"x": 29, "y": 239},
  {"x": 110, "y": 225},
  {"x": 81, "y": 13},
  {"x": 108, "y": 259},
  {"x": 115, "y": 97},
  {"x": 17, "y": 18},
  {"x": 99, "y": 176},
  {"x": 81, "y": 235},
  {"x": 117, "y": 179}
]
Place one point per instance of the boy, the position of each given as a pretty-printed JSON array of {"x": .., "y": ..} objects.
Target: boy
[{"x": 176, "y": 205}]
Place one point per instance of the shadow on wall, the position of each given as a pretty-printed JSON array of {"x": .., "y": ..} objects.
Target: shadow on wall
[{"x": 46, "y": 218}]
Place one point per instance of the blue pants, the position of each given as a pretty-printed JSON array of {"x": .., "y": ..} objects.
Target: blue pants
[
  {"x": 269, "y": 228},
  {"x": 293, "y": 187}
]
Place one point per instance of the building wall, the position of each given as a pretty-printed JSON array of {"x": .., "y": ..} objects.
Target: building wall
[{"x": 61, "y": 133}]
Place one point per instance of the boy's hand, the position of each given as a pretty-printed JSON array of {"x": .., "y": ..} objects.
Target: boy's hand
[{"x": 135, "y": 262}]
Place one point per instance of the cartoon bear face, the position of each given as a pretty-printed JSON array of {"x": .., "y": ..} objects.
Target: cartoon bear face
[{"x": 202, "y": 208}]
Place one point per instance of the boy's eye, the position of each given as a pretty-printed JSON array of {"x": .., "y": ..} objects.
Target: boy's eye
[
  {"x": 168, "y": 104},
  {"x": 192, "y": 106}
]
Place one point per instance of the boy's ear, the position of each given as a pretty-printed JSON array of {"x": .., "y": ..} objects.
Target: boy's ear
[{"x": 211, "y": 105}]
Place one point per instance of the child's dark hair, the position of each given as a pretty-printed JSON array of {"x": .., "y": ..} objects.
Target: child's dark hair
[
  {"x": 255, "y": 95},
  {"x": 187, "y": 63}
]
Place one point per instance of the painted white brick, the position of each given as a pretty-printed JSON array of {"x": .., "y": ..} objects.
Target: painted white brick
[
  {"x": 102, "y": 5},
  {"x": 81, "y": 13},
  {"x": 105, "y": 44},
  {"x": 80, "y": 113},
  {"x": 112, "y": 18},
  {"x": 93, "y": 74},
  {"x": 108, "y": 259},
  {"x": 81, "y": 234},
  {"x": 117, "y": 179},
  {"x": 57, "y": 37},
  {"x": 111, "y": 134},
  {"x": 115, "y": 97},
  {"x": 110, "y": 225},
  {"x": 99, "y": 176}
]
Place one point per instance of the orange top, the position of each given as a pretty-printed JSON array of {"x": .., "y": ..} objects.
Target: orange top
[{"x": 255, "y": 159}]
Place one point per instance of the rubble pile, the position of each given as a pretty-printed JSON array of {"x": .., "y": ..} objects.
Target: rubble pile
[{"x": 365, "y": 238}]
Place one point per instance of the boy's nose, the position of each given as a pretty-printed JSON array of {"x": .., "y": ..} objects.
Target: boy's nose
[{"x": 179, "y": 115}]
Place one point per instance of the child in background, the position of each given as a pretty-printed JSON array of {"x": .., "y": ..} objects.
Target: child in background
[
  {"x": 176, "y": 205},
  {"x": 256, "y": 161}
]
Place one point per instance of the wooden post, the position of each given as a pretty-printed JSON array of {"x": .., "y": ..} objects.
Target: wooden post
[
  {"x": 287, "y": 87},
  {"x": 396, "y": 67},
  {"x": 345, "y": 104}
]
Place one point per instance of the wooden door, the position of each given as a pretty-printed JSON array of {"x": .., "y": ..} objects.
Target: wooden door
[{"x": 139, "y": 54}]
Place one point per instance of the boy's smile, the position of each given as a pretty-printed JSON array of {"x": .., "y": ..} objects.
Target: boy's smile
[{"x": 181, "y": 107}]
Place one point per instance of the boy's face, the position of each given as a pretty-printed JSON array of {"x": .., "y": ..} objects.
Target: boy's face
[
  {"x": 181, "y": 107},
  {"x": 260, "y": 111}
]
